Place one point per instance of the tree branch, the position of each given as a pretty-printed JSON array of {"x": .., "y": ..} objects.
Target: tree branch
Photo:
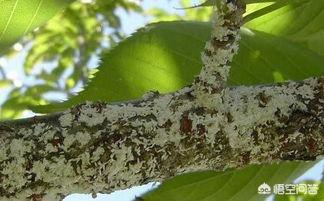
[{"x": 100, "y": 147}]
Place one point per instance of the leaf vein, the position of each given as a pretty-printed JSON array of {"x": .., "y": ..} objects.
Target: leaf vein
[
  {"x": 9, "y": 20},
  {"x": 34, "y": 16}
]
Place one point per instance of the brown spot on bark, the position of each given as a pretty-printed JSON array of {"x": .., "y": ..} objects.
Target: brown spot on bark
[
  {"x": 311, "y": 145},
  {"x": 167, "y": 124},
  {"x": 208, "y": 53},
  {"x": 229, "y": 39},
  {"x": 29, "y": 165},
  {"x": 255, "y": 137},
  {"x": 229, "y": 117},
  {"x": 281, "y": 118},
  {"x": 298, "y": 121},
  {"x": 76, "y": 111},
  {"x": 216, "y": 90},
  {"x": 31, "y": 177},
  {"x": 187, "y": 95},
  {"x": 200, "y": 111},
  {"x": 56, "y": 142},
  {"x": 185, "y": 124},
  {"x": 76, "y": 165},
  {"x": 245, "y": 158},
  {"x": 321, "y": 86},
  {"x": 36, "y": 197},
  {"x": 98, "y": 106},
  {"x": 263, "y": 99},
  {"x": 5, "y": 129},
  {"x": 201, "y": 130}
]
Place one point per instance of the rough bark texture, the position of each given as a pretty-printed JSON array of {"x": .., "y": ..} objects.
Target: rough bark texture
[{"x": 97, "y": 147}]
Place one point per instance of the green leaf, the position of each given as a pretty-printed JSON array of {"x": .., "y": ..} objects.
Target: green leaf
[
  {"x": 265, "y": 10},
  {"x": 264, "y": 58},
  {"x": 301, "y": 21},
  {"x": 230, "y": 185},
  {"x": 18, "y": 17},
  {"x": 4, "y": 83},
  {"x": 13, "y": 107},
  {"x": 166, "y": 56}
]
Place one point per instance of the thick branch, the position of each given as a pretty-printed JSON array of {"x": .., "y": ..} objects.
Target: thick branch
[{"x": 96, "y": 147}]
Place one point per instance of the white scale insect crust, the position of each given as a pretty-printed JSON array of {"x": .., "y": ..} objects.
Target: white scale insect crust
[
  {"x": 66, "y": 119},
  {"x": 90, "y": 115}
]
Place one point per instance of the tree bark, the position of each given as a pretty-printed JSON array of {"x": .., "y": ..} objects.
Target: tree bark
[{"x": 100, "y": 147}]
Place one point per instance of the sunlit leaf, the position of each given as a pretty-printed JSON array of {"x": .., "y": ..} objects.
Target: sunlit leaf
[
  {"x": 18, "y": 100},
  {"x": 13, "y": 107},
  {"x": 300, "y": 21},
  {"x": 4, "y": 83},
  {"x": 267, "y": 9},
  {"x": 18, "y": 17}
]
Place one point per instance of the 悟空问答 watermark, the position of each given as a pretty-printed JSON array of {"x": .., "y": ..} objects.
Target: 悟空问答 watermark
[{"x": 288, "y": 189}]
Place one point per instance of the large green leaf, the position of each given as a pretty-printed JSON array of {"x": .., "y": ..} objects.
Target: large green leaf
[
  {"x": 301, "y": 21},
  {"x": 18, "y": 17},
  {"x": 166, "y": 56},
  {"x": 230, "y": 185}
]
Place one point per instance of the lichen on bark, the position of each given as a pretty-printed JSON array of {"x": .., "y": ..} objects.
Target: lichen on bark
[{"x": 100, "y": 147}]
